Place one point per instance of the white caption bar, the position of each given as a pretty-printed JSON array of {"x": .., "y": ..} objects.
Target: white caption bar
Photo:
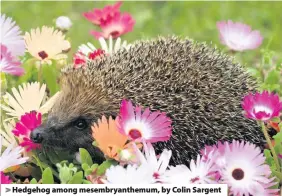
[{"x": 112, "y": 189}]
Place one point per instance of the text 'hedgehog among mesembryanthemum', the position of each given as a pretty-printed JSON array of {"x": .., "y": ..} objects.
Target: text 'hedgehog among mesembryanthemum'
[{"x": 198, "y": 87}]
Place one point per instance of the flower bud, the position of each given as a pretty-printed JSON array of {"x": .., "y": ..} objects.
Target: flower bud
[{"x": 63, "y": 23}]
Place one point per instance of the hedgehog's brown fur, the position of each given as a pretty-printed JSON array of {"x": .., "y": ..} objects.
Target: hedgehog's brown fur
[{"x": 198, "y": 87}]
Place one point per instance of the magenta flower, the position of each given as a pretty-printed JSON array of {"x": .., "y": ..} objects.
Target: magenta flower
[
  {"x": 99, "y": 16},
  {"x": 262, "y": 106},
  {"x": 4, "y": 179},
  {"x": 238, "y": 36},
  {"x": 115, "y": 27},
  {"x": 80, "y": 58},
  {"x": 9, "y": 64},
  {"x": 25, "y": 126},
  {"x": 151, "y": 127}
]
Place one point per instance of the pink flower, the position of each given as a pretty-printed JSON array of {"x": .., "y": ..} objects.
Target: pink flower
[
  {"x": 151, "y": 127},
  {"x": 242, "y": 166},
  {"x": 116, "y": 26},
  {"x": 25, "y": 126},
  {"x": 99, "y": 16},
  {"x": 267, "y": 191},
  {"x": 4, "y": 179},
  {"x": 79, "y": 60},
  {"x": 214, "y": 153},
  {"x": 238, "y": 36},
  {"x": 9, "y": 64},
  {"x": 11, "y": 36},
  {"x": 245, "y": 170},
  {"x": 262, "y": 106},
  {"x": 96, "y": 54}
]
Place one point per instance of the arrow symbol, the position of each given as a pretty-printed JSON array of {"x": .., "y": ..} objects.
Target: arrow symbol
[{"x": 8, "y": 190}]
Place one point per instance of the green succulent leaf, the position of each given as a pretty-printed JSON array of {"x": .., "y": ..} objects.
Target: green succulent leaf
[
  {"x": 86, "y": 182},
  {"x": 85, "y": 157},
  {"x": 94, "y": 166},
  {"x": 104, "y": 166},
  {"x": 33, "y": 181},
  {"x": 47, "y": 176},
  {"x": 85, "y": 166},
  {"x": 77, "y": 178},
  {"x": 65, "y": 174}
]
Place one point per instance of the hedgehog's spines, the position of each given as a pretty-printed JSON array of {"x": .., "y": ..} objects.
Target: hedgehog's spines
[{"x": 199, "y": 87}]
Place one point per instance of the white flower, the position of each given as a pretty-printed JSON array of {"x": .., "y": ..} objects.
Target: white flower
[
  {"x": 46, "y": 44},
  {"x": 6, "y": 133},
  {"x": 11, "y": 36},
  {"x": 158, "y": 165},
  {"x": 199, "y": 173},
  {"x": 108, "y": 48},
  {"x": 28, "y": 97},
  {"x": 11, "y": 157},
  {"x": 132, "y": 174},
  {"x": 63, "y": 23}
]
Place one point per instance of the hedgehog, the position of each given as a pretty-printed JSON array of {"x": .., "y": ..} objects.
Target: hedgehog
[{"x": 196, "y": 85}]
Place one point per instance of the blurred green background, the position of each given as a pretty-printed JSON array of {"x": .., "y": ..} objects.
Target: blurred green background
[{"x": 196, "y": 20}]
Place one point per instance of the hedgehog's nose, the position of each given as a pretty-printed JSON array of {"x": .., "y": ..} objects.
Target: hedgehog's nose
[{"x": 36, "y": 135}]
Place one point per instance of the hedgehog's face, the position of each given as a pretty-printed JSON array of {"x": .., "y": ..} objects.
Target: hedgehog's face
[
  {"x": 68, "y": 126},
  {"x": 69, "y": 135}
]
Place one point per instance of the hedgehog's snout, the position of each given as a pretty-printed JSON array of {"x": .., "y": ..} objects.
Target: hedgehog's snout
[{"x": 37, "y": 135}]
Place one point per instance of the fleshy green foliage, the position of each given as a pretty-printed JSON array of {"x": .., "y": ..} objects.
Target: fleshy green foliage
[
  {"x": 269, "y": 158},
  {"x": 104, "y": 166},
  {"x": 85, "y": 157},
  {"x": 68, "y": 173},
  {"x": 76, "y": 178},
  {"x": 88, "y": 170},
  {"x": 47, "y": 176},
  {"x": 33, "y": 181}
]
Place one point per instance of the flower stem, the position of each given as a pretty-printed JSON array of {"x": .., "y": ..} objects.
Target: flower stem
[
  {"x": 38, "y": 163},
  {"x": 39, "y": 76},
  {"x": 266, "y": 135}
]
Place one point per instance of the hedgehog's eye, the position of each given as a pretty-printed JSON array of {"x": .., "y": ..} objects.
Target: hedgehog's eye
[{"x": 80, "y": 124}]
